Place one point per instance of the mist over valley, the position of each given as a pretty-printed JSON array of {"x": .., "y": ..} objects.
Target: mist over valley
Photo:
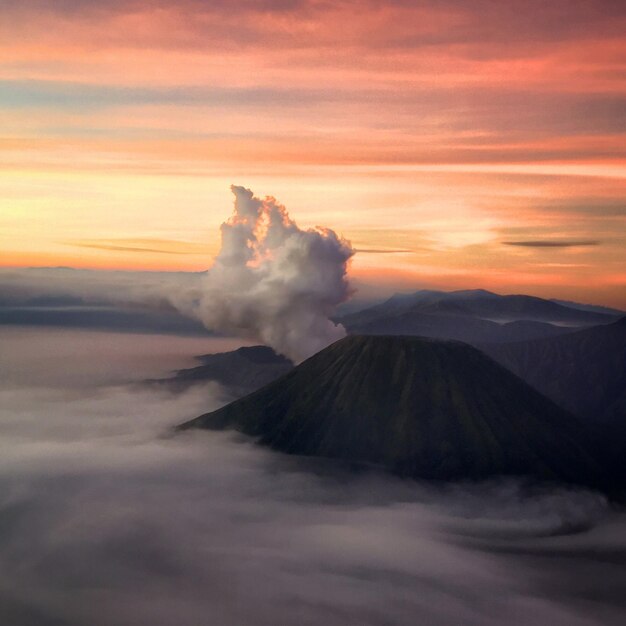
[{"x": 109, "y": 519}]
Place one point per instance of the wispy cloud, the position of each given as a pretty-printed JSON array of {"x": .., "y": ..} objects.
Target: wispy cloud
[
  {"x": 156, "y": 246},
  {"x": 546, "y": 243},
  {"x": 460, "y": 123},
  {"x": 383, "y": 251}
]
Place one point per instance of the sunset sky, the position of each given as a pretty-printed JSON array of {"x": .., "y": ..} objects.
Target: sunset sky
[{"x": 456, "y": 144}]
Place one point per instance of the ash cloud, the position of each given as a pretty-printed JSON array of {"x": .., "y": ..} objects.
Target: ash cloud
[{"x": 107, "y": 520}]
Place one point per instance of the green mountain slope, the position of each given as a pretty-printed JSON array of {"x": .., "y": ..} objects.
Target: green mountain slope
[{"x": 419, "y": 407}]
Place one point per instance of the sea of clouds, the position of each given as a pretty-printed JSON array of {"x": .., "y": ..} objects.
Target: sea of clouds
[{"x": 107, "y": 518}]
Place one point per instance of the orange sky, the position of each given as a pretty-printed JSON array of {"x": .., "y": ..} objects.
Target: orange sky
[{"x": 456, "y": 144}]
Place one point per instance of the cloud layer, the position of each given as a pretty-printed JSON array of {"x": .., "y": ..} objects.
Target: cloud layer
[{"x": 107, "y": 521}]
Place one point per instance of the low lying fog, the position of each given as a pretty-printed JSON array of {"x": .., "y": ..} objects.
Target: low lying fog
[{"x": 107, "y": 519}]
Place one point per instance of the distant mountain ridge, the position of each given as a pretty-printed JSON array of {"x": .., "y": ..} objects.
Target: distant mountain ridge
[
  {"x": 242, "y": 371},
  {"x": 418, "y": 407},
  {"x": 51, "y": 312},
  {"x": 605, "y": 310},
  {"x": 585, "y": 371},
  {"x": 475, "y": 316}
]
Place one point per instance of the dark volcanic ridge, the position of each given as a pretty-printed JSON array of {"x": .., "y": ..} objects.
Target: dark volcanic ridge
[
  {"x": 417, "y": 407},
  {"x": 585, "y": 371},
  {"x": 241, "y": 371}
]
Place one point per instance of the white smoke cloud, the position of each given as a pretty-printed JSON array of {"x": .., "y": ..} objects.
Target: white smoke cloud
[
  {"x": 271, "y": 282},
  {"x": 275, "y": 282}
]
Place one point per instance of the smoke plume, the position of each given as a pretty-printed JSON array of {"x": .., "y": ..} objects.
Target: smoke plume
[
  {"x": 271, "y": 282},
  {"x": 275, "y": 282}
]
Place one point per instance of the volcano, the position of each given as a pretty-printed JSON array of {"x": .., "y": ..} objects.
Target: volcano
[{"x": 418, "y": 407}]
